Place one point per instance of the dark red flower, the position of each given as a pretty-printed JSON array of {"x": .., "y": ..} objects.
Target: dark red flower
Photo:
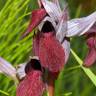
[
  {"x": 49, "y": 49},
  {"x": 51, "y": 53},
  {"x": 32, "y": 84},
  {"x": 45, "y": 44}
]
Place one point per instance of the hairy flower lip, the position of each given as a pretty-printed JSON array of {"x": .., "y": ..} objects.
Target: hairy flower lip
[
  {"x": 32, "y": 81},
  {"x": 43, "y": 38},
  {"x": 51, "y": 57},
  {"x": 30, "y": 84}
]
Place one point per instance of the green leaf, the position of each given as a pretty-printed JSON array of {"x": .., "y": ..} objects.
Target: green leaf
[
  {"x": 87, "y": 71},
  {"x": 5, "y": 93}
]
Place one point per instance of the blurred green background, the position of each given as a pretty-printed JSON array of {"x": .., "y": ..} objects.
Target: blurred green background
[{"x": 14, "y": 18}]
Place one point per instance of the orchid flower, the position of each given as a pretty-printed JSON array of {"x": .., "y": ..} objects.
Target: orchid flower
[
  {"x": 32, "y": 81},
  {"x": 29, "y": 76},
  {"x": 51, "y": 44},
  {"x": 46, "y": 43},
  {"x": 54, "y": 26}
]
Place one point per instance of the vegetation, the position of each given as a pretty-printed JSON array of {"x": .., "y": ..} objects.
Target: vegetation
[{"x": 74, "y": 80}]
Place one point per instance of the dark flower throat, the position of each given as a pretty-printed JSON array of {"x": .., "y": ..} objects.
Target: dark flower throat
[
  {"x": 47, "y": 27},
  {"x": 33, "y": 64}
]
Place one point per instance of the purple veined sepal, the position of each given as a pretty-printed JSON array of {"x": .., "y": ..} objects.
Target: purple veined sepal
[
  {"x": 80, "y": 26},
  {"x": 58, "y": 4},
  {"x": 62, "y": 26},
  {"x": 66, "y": 46},
  {"x": 52, "y": 9},
  {"x": 62, "y": 29},
  {"x": 7, "y": 69}
]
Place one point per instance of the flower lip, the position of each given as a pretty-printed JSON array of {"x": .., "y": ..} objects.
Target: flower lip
[
  {"x": 47, "y": 27},
  {"x": 33, "y": 64}
]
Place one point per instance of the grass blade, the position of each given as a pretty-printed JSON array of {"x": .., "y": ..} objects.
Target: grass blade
[{"x": 87, "y": 71}]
